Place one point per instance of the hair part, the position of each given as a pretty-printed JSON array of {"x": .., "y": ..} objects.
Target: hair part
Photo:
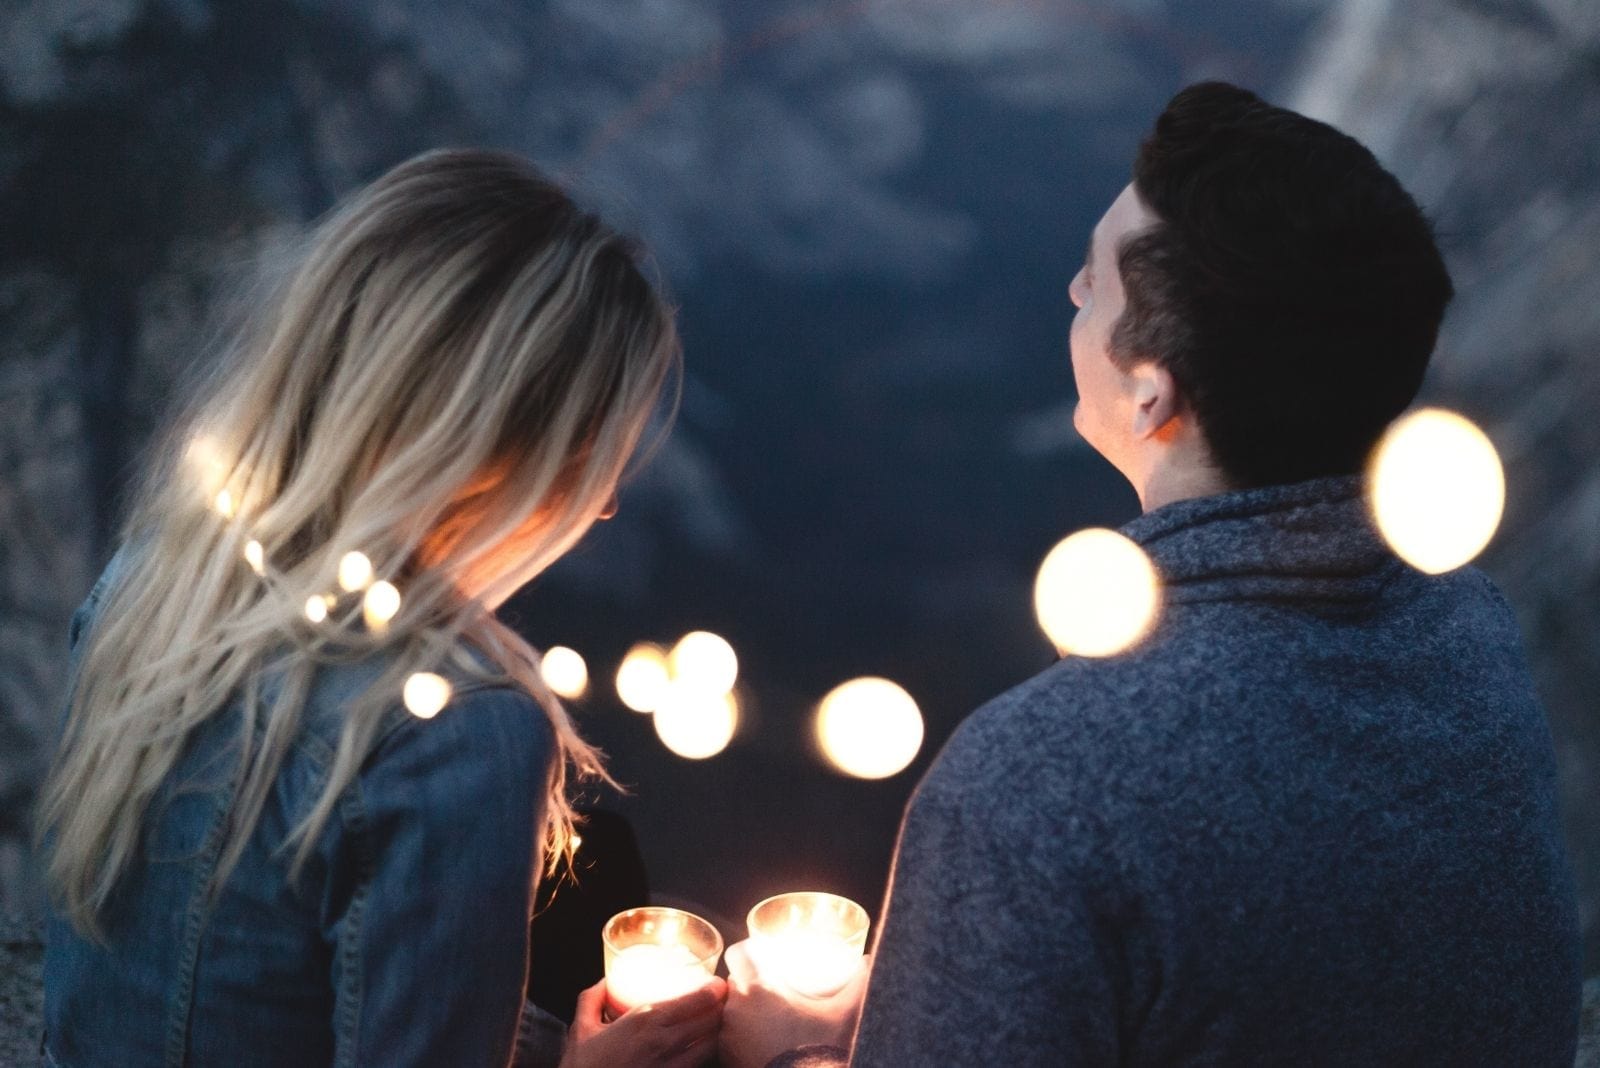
[
  {"x": 452, "y": 383},
  {"x": 1291, "y": 287}
]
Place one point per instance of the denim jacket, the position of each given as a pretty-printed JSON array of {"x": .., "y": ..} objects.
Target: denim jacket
[{"x": 404, "y": 941}]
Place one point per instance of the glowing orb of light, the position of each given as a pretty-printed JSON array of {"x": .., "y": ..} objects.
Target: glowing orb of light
[
  {"x": 695, "y": 724},
  {"x": 209, "y": 465},
  {"x": 381, "y": 603},
  {"x": 643, "y": 678},
  {"x": 355, "y": 571},
  {"x": 316, "y": 609},
  {"x": 565, "y": 672},
  {"x": 704, "y": 662},
  {"x": 426, "y": 693},
  {"x": 1437, "y": 489},
  {"x": 255, "y": 556},
  {"x": 869, "y": 727},
  {"x": 1096, "y": 593},
  {"x": 224, "y": 504}
]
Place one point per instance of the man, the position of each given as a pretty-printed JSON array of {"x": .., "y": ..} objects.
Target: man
[{"x": 1311, "y": 818}]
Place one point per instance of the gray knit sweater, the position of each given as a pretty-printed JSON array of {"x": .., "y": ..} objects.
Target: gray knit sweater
[{"x": 1311, "y": 820}]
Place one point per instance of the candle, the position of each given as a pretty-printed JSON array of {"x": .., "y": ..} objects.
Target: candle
[
  {"x": 809, "y": 942},
  {"x": 657, "y": 954}
]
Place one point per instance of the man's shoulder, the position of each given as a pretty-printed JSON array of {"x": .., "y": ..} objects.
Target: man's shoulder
[{"x": 1072, "y": 728}]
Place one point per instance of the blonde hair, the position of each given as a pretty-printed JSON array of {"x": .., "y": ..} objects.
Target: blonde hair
[{"x": 451, "y": 383}]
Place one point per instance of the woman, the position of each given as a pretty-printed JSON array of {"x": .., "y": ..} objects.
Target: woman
[{"x": 260, "y": 851}]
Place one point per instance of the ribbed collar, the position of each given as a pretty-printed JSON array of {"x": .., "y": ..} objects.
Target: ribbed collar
[{"x": 1306, "y": 541}]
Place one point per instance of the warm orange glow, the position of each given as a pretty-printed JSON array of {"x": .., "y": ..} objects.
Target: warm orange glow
[
  {"x": 426, "y": 693},
  {"x": 810, "y": 942},
  {"x": 565, "y": 672},
  {"x": 695, "y": 724},
  {"x": 869, "y": 727},
  {"x": 656, "y": 954},
  {"x": 643, "y": 678},
  {"x": 1438, "y": 489},
  {"x": 1096, "y": 594},
  {"x": 704, "y": 662}
]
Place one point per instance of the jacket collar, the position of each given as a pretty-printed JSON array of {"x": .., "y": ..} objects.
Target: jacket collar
[{"x": 1306, "y": 541}]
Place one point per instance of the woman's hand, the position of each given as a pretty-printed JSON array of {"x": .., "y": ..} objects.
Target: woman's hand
[
  {"x": 761, "y": 1022},
  {"x": 672, "y": 1034}
]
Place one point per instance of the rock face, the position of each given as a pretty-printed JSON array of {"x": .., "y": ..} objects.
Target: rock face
[{"x": 1486, "y": 110}]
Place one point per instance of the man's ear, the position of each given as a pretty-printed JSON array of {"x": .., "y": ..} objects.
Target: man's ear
[{"x": 1156, "y": 403}]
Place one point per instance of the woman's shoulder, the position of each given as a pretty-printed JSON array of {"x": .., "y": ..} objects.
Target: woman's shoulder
[{"x": 461, "y": 705}]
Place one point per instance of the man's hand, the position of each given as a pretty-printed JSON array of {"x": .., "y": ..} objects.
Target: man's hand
[
  {"x": 673, "y": 1034},
  {"x": 760, "y": 1022}
]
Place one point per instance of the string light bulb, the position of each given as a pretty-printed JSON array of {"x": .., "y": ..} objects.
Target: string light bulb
[
  {"x": 1096, "y": 594},
  {"x": 255, "y": 556},
  {"x": 704, "y": 662},
  {"x": 643, "y": 678},
  {"x": 355, "y": 571},
  {"x": 426, "y": 693},
  {"x": 316, "y": 608},
  {"x": 870, "y": 728},
  {"x": 565, "y": 672},
  {"x": 379, "y": 605},
  {"x": 1437, "y": 488}
]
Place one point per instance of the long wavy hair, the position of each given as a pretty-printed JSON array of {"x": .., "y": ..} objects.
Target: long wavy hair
[{"x": 450, "y": 383}]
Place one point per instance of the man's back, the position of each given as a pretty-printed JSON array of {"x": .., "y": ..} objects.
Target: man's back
[{"x": 1310, "y": 820}]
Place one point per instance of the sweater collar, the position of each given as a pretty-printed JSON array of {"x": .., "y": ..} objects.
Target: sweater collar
[{"x": 1305, "y": 541}]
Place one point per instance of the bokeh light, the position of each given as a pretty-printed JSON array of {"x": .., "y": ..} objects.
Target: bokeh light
[
  {"x": 643, "y": 678},
  {"x": 379, "y": 606},
  {"x": 1437, "y": 489},
  {"x": 869, "y": 727},
  {"x": 565, "y": 672},
  {"x": 255, "y": 556},
  {"x": 426, "y": 693},
  {"x": 704, "y": 662},
  {"x": 355, "y": 571},
  {"x": 1096, "y": 593},
  {"x": 316, "y": 608},
  {"x": 695, "y": 724}
]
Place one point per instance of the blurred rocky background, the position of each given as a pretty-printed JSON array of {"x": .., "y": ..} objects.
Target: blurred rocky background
[{"x": 868, "y": 212}]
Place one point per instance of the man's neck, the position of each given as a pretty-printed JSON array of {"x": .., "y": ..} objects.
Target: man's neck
[{"x": 1179, "y": 478}]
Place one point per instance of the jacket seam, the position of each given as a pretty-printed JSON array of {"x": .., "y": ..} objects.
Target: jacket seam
[
  {"x": 194, "y": 927},
  {"x": 349, "y": 995}
]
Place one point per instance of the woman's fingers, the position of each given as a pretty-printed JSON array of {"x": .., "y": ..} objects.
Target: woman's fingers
[
  {"x": 708, "y": 999},
  {"x": 695, "y": 1054},
  {"x": 587, "y": 1017}
]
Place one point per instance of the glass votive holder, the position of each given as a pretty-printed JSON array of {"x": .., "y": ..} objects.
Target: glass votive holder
[
  {"x": 655, "y": 954},
  {"x": 808, "y": 941}
]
